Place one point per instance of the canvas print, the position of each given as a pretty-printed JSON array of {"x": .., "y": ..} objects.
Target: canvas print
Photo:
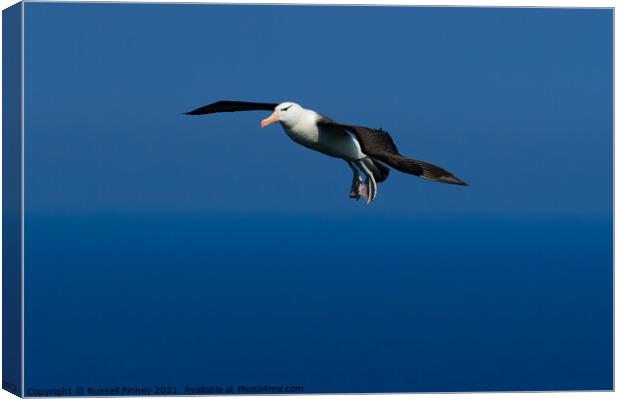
[{"x": 218, "y": 199}]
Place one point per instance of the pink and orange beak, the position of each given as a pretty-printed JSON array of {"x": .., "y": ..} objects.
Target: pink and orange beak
[{"x": 273, "y": 118}]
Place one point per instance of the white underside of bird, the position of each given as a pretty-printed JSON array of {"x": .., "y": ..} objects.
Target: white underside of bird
[{"x": 301, "y": 125}]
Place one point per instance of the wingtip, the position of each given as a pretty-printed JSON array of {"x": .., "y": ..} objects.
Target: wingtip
[
  {"x": 460, "y": 182},
  {"x": 453, "y": 180}
]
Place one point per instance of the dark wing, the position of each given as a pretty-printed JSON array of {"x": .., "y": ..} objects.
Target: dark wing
[
  {"x": 232, "y": 106},
  {"x": 378, "y": 144}
]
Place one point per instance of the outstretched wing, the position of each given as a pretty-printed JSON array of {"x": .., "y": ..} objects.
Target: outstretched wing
[
  {"x": 232, "y": 106},
  {"x": 378, "y": 144}
]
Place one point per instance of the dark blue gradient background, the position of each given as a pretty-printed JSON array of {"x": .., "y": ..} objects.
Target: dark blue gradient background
[{"x": 168, "y": 250}]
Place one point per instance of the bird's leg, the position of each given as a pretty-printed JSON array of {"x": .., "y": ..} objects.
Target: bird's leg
[
  {"x": 356, "y": 183},
  {"x": 370, "y": 183}
]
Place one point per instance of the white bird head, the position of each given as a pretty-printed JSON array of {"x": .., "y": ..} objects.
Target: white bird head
[{"x": 287, "y": 113}]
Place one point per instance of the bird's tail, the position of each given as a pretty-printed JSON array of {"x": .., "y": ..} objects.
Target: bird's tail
[
  {"x": 379, "y": 170},
  {"x": 420, "y": 168}
]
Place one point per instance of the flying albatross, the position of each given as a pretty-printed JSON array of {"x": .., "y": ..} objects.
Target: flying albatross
[{"x": 365, "y": 150}]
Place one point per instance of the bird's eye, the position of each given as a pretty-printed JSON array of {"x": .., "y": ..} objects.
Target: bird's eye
[{"x": 284, "y": 109}]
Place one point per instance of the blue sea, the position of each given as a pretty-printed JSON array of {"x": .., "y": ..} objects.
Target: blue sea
[{"x": 331, "y": 303}]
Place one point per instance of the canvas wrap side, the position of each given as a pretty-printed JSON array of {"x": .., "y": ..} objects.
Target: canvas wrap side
[{"x": 12, "y": 199}]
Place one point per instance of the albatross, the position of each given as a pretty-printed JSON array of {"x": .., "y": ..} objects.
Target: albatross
[{"x": 367, "y": 151}]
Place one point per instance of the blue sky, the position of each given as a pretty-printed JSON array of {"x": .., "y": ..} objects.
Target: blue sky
[{"x": 517, "y": 102}]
